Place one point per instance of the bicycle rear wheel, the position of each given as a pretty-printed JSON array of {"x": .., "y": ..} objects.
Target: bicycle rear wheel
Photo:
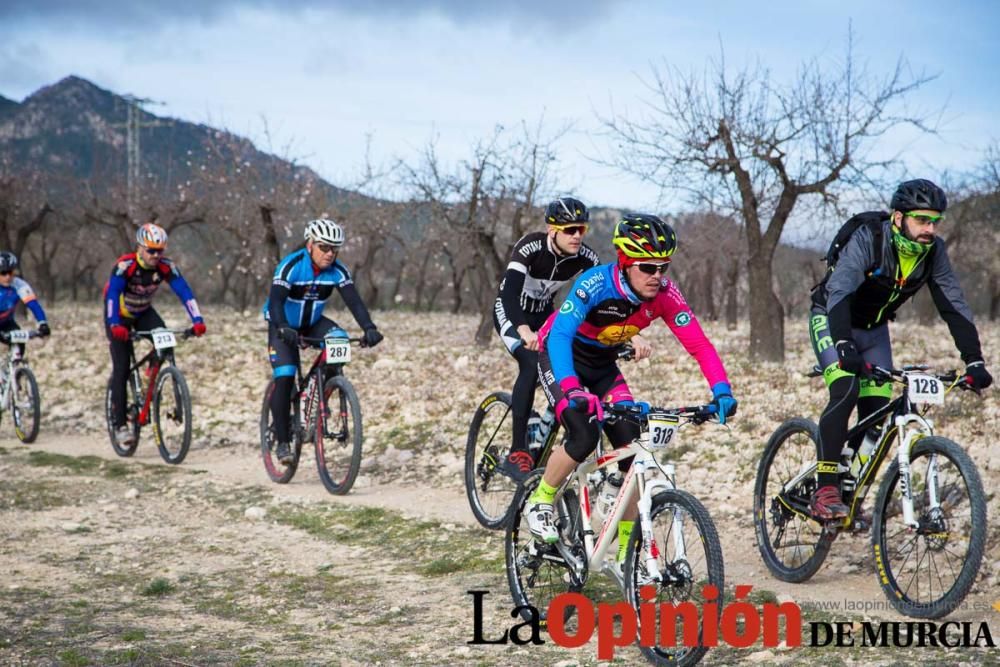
[
  {"x": 26, "y": 404},
  {"x": 277, "y": 471},
  {"x": 132, "y": 408},
  {"x": 928, "y": 571},
  {"x": 538, "y": 572},
  {"x": 792, "y": 544},
  {"x": 490, "y": 492},
  {"x": 688, "y": 555},
  {"x": 338, "y": 435},
  {"x": 172, "y": 414}
]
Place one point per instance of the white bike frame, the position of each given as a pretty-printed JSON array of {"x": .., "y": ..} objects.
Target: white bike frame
[
  {"x": 8, "y": 388},
  {"x": 643, "y": 463}
]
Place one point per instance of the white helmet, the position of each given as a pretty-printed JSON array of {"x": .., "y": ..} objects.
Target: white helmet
[{"x": 324, "y": 230}]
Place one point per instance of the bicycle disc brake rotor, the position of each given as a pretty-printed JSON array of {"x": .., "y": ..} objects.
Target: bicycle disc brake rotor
[{"x": 934, "y": 528}]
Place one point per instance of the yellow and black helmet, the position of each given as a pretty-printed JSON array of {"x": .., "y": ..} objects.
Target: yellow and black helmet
[
  {"x": 644, "y": 236},
  {"x": 566, "y": 211}
]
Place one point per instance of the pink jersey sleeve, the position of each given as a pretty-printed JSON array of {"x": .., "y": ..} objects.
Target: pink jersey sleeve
[{"x": 674, "y": 310}]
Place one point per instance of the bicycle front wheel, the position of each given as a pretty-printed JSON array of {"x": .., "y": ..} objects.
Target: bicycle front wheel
[
  {"x": 927, "y": 571},
  {"x": 26, "y": 406},
  {"x": 538, "y": 572},
  {"x": 688, "y": 557},
  {"x": 792, "y": 544},
  {"x": 172, "y": 415},
  {"x": 277, "y": 471},
  {"x": 489, "y": 491},
  {"x": 338, "y": 435},
  {"x": 132, "y": 408}
]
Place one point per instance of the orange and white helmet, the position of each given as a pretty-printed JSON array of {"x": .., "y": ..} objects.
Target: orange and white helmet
[{"x": 151, "y": 236}]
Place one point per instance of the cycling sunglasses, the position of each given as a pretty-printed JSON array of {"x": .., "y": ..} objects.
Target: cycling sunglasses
[
  {"x": 926, "y": 219},
  {"x": 649, "y": 268},
  {"x": 7, "y": 273},
  {"x": 326, "y": 248},
  {"x": 154, "y": 251},
  {"x": 572, "y": 230}
]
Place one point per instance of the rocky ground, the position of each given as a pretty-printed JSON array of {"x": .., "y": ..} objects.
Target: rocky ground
[{"x": 131, "y": 561}]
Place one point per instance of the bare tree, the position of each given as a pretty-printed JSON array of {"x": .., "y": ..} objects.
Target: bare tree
[
  {"x": 754, "y": 146},
  {"x": 484, "y": 205}
]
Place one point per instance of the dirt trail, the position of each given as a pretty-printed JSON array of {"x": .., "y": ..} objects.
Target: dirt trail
[{"x": 847, "y": 578}]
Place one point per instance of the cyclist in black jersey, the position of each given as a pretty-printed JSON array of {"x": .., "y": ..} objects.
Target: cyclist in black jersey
[
  {"x": 878, "y": 269},
  {"x": 540, "y": 263}
]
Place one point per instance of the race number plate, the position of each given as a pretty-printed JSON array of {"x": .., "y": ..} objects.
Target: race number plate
[
  {"x": 925, "y": 389},
  {"x": 338, "y": 350},
  {"x": 164, "y": 340},
  {"x": 662, "y": 429},
  {"x": 18, "y": 336}
]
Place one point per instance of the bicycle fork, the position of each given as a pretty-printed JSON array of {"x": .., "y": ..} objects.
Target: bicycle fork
[{"x": 923, "y": 428}]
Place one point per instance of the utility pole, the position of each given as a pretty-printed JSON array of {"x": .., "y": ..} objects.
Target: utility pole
[{"x": 133, "y": 152}]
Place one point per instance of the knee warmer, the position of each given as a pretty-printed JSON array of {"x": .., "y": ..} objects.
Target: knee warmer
[{"x": 582, "y": 433}]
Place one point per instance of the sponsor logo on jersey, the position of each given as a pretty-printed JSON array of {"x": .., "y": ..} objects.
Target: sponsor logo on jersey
[
  {"x": 592, "y": 281},
  {"x": 582, "y": 295},
  {"x": 682, "y": 319},
  {"x": 566, "y": 307}
]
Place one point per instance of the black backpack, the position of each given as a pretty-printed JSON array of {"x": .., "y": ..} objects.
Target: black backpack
[{"x": 871, "y": 219}]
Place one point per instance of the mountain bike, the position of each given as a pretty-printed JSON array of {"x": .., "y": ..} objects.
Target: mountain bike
[
  {"x": 674, "y": 546},
  {"x": 155, "y": 392},
  {"x": 336, "y": 433},
  {"x": 19, "y": 396},
  {"x": 489, "y": 490},
  {"x": 927, "y": 547}
]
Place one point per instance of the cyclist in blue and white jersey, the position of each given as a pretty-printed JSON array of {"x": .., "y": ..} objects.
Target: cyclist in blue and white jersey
[
  {"x": 302, "y": 283},
  {"x": 14, "y": 290}
]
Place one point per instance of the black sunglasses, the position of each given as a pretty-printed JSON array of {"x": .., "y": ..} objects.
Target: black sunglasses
[
  {"x": 573, "y": 230},
  {"x": 649, "y": 268},
  {"x": 326, "y": 248},
  {"x": 7, "y": 273},
  {"x": 154, "y": 251}
]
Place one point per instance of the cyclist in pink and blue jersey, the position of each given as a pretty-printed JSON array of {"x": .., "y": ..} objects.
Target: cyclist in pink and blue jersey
[{"x": 606, "y": 308}]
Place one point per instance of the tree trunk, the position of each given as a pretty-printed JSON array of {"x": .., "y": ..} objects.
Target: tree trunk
[
  {"x": 994, "y": 298},
  {"x": 767, "y": 320},
  {"x": 708, "y": 290},
  {"x": 732, "y": 288}
]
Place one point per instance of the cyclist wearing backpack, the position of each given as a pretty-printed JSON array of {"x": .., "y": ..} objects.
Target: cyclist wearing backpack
[
  {"x": 302, "y": 283},
  {"x": 606, "y": 308},
  {"x": 14, "y": 289},
  {"x": 128, "y": 305},
  {"x": 877, "y": 262},
  {"x": 540, "y": 263}
]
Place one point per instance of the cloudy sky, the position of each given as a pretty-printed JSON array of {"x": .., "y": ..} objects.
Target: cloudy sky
[{"x": 321, "y": 76}]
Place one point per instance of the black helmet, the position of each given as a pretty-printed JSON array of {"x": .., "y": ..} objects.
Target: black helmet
[
  {"x": 644, "y": 236},
  {"x": 566, "y": 211},
  {"x": 8, "y": 261},
  {"x": 919, "y": 194}
]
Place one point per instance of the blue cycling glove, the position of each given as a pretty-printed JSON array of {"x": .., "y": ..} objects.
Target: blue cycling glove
[
  {"x": 642, "y": 405},
  {"x": 722, "y": 399}
]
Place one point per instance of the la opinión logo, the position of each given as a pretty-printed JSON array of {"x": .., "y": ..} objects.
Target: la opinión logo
[{"x": 739, "y": 624}]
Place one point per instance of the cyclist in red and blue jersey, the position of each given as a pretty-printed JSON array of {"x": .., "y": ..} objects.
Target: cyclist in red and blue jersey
[
  {"x": 14, "y": 290},
  {"x": 606, "y": 308},
  {"x": 540, "y": 264},
  {"x": 302, "y": 283},
  {"x": 128, "y": 298}
]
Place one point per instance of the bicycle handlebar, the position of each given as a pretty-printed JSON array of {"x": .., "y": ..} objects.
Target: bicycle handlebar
[
  {"x": 184, "y": 333},
  {"x": 694, "y": 413},
  {"x": 309, "y": 339},
  {"x": 883, "y": 375},
  {"x": 32, "y": 333}
]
